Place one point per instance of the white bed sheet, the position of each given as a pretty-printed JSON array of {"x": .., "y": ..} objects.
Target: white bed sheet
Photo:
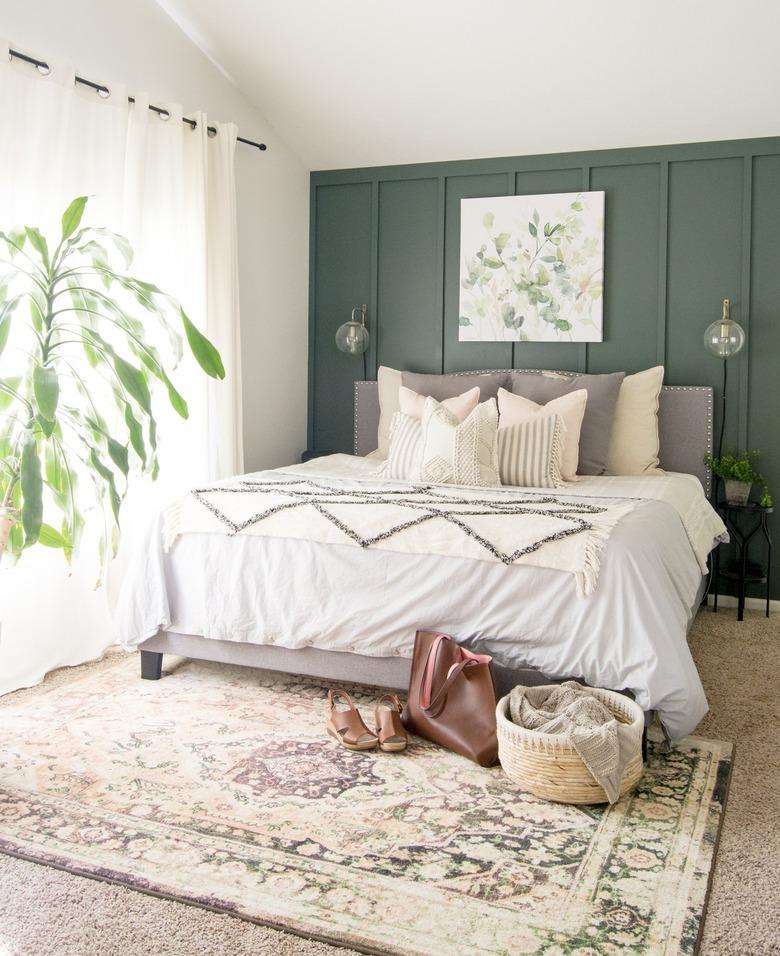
[{"x": 631, "y": 633}]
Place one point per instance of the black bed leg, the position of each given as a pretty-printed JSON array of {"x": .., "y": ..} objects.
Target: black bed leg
[
  {"x": 644, "y": 744},
  {"x": 151, "y": 665}
]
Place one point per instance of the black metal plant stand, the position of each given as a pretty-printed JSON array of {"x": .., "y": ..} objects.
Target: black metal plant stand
[{"x": 741, "y": 569}]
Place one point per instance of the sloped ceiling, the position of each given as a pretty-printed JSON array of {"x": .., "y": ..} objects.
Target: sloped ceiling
[{"x": 374, "y": 82}]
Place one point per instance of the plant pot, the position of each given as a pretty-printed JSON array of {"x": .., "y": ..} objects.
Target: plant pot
[{"x": 737, "y": 492}]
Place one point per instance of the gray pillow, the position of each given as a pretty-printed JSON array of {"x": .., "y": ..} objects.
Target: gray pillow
[
  {"x": 602, "y": 392},
  {"x": 441, "y": 387}
]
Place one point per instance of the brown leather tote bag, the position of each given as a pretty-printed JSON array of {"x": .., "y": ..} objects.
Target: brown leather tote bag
[{"x": 452, "y": 698}]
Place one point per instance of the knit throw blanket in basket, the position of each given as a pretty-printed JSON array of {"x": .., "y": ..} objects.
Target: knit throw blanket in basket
[{"x": 603, "y": 743}]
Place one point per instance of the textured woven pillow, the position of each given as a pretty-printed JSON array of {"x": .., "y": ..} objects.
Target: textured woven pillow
[
  {"x": 403, "y": 460},
  {"x": 460, "y": 453},
  {"x": 529, "y": 453},
  {"x": 514, "y": 409}
]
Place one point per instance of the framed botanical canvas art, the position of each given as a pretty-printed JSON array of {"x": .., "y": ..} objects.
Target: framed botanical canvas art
[{"x": 532, "y": 268}]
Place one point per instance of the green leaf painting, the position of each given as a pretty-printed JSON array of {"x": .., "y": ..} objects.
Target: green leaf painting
[{"x": 532, "y": 268}]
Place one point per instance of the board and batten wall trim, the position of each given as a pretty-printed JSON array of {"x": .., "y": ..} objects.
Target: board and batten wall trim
[{"x": 686, "y": 226}]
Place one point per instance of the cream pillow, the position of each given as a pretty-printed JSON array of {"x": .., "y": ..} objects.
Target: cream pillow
[
  {"x": 412, "y": 404},
  {"x": 388, "y": 383},
  {"x": 514, "y": 410},
  {"x": 460, "y": 453},
  {"x": 634, "y": 443}
]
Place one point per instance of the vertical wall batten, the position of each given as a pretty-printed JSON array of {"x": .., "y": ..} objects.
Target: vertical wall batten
[
  {"x": 663, "y": 257},
  {"x": 374, "y": 324},
  {"x": 583, "y": 356},
  {"x": 744, "y": 309},
  {"x": 441, "y": 226}
]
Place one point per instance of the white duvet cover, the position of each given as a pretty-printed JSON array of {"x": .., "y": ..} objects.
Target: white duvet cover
[{"x": 630, "y": 633}]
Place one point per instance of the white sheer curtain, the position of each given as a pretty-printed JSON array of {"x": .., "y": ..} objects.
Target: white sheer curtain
[{"x": 171, "y": 190}]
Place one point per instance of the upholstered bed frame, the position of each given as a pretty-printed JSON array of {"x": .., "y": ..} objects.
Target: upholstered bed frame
[{"x": 685, "y": 425}]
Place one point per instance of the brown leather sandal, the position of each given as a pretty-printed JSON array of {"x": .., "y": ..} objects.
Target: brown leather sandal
[
  {"x": 347, "y": 726},
  {"x": 392, "y": 733}
]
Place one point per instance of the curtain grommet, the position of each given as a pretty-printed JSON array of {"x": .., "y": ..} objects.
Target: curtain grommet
[
  {"x": 211, "y": 131},
  {"x": 103, "y": 92},
  {"x": 43, "y": 68},
  {"x": 164, "y": 115}
]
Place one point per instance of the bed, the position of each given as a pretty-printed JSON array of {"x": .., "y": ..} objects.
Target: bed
[{"x": 285, "y": 598}]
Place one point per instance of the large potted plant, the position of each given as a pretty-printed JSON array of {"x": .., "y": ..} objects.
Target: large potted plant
[
  {"x": 77, "y": 406},
  {"x": 739, "y": 473}
]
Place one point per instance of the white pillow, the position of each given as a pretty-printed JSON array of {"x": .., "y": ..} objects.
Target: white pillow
[
  {"x": 413, "y": 404},
  {"x": 514, "y": 409},
  {"x": 388, "y": 383},
  {"x": 460, "y": 453},
  {"x": 634, "y": 442},
  {"x": 529, "y": 453}
]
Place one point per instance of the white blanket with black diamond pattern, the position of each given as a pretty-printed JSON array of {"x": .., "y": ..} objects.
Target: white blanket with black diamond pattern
[{"x": 334, "y": 501}]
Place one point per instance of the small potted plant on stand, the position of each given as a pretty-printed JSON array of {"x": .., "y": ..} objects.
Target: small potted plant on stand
[{"x": 739, "y": 473}]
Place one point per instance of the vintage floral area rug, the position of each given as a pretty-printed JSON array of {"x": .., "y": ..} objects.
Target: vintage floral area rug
[{"x": 218, "y": 786}]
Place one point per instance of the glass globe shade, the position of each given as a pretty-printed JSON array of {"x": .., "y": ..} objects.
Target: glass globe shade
[
  {"x": 724, "y": 338},
  {"x": 352, "y": 337}
]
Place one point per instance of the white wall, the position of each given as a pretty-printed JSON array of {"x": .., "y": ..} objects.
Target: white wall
[
  {"x": 47, "y": 615},
  {"x": 137, "y": 44}
]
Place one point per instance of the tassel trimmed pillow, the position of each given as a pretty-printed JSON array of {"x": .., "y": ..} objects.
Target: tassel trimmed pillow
[
  {"x": 529, "y": 453},
  {"x": 460, "y": 453}
]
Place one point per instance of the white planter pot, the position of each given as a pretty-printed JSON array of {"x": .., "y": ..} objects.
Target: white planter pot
[{"x": 737, "y": 492}]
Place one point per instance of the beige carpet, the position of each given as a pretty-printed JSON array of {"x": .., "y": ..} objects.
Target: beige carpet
[{"x": 43, "y": 911}]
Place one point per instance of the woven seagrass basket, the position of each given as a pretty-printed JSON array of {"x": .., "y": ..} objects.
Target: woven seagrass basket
[{"x": 548, "y": 766}]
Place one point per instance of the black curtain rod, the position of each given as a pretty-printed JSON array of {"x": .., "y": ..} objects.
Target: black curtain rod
[{"x": 103, "y": 90}]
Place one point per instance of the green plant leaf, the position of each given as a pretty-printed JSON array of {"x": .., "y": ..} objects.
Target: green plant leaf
[
  {"x": 32, "y": 490},
  {"x": 50, "y": 538},
  {"x": 71, "y": 218},
  {"x": 5, "y": 329},
  {"x": 205, "y": 354},
  {"x": 136, "y": 433},
  {"x": 107, "y": 475},
  {"x": 6, "y": 398},
  {"x": 46, "y": 388},
  {"x": 134, "y": 381},
  {"x": 118, "y": 454},
  {"x": 39, "y": 244}
]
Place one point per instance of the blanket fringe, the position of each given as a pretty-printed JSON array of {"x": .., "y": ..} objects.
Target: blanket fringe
[{"x": 171, "y": 524}]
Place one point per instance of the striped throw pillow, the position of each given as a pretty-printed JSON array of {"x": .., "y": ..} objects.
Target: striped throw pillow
[
  {"x": 403, "y": 460},
  {"x": 529, "y": 453}
]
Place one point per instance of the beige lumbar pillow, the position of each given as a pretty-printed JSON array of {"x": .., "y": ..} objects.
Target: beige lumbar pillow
[
  {"x": 460, "y": 453},
  {"x": 634, "y": 443},
  {"x": 413, "y": 404},
  {"x": 388, "y": 382},
  {"x": 515, "y": 410}
]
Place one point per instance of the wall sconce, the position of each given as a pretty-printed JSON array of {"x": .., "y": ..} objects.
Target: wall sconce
[
  {"x": 724, "y": 339},
  {"x": 352, "y": 336}
]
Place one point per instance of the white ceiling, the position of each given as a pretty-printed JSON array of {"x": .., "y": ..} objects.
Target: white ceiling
[{"x": 374, "y": 82}]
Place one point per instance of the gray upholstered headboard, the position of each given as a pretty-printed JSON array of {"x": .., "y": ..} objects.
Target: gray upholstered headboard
[{"x": 684, "y": 423}]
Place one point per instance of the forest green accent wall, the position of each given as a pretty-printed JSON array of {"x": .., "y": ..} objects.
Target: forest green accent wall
[{"x": 686, "y": 226}]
